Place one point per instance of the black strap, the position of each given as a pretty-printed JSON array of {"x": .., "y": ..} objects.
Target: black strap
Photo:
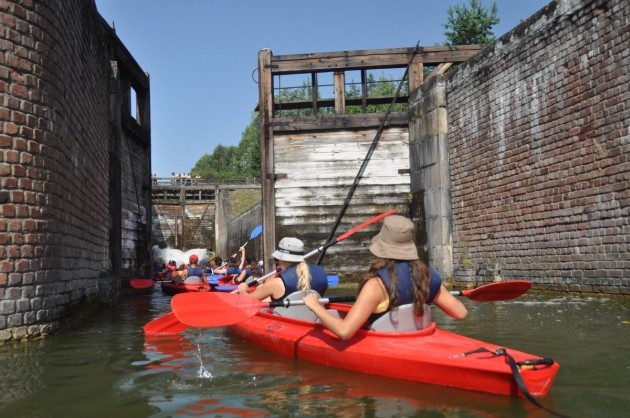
[{"x": 517, "y": 375}]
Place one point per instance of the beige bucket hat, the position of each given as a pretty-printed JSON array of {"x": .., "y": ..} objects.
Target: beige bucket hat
[
  {"x": 290, "y": 249},
  {"x": 395, "y": 240}
]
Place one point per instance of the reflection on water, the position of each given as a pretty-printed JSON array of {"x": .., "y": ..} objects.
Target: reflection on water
[{"x": 107, "y": 367}]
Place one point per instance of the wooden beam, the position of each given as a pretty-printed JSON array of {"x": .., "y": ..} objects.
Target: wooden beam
[
  {"x": 358, "y": 121},
  {"x": 332, "y": 103},
  {"x": 365, "y": 59}
]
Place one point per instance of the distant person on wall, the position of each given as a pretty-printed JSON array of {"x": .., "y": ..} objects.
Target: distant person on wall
[
  {"x": 154, "y": 178},
  {"x": 173, "y": 178}
]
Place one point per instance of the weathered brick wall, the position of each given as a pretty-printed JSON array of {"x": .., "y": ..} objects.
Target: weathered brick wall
[
  {"x": 539, "y": 145},
  {"x": 55, "y": 220}
]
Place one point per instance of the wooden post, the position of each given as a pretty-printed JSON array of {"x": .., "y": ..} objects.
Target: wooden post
[
  {"x": 416, "y": 75},
  {"x": 182, "y": 207},
  {"x": 340, "y": 92},
  {"x": 265, "y": 107},
  {"x": 364, "y": 90},
  {"x": 314, "y": 89}
]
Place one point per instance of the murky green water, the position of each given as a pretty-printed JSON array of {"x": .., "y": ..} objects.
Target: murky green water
[{"x": 107, "y": 368}]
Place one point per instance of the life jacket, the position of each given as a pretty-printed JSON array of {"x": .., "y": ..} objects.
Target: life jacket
[
  {"x": 249, "y": 270},
  {"x": 319, "y": 280},
  {"x": 404, "y": 286},
  {"x": 231, "y": 270},
  {"x": 194, "y": 271}
]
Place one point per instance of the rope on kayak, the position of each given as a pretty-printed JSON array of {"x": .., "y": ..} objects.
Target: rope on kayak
[{"x": 514, "y": 367}]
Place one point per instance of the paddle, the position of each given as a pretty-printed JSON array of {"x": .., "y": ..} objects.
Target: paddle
[
  {"x": 332, "y": 280},
  {"x": 165, "y": 324},
  {"x": 496, "y": 291},
  {"x": 252, "y": 281},
  {"x": 221, "y": 309},
  {"x": 330, "y": 243},
  {"x": 255, "y": 232}
]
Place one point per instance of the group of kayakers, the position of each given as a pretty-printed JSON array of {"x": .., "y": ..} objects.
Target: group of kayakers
[
  {"x": 396, "y": 277},
  {"x": 238, "y": 269}
]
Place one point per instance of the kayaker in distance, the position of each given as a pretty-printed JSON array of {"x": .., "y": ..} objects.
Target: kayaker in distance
[
  {"x": 252, "y": 269},
  {"x": 193, "y": 273},
  {"x": 295, "y": 274},
  {"x": 396, "y": 277},
  {"x": 233, "y": 267}
]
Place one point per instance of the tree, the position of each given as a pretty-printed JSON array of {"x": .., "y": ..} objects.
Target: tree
[
  {"x": 383, "y": 86},
  {"x": 471, "y": 25},
  {"x": 233, "y": 162}
]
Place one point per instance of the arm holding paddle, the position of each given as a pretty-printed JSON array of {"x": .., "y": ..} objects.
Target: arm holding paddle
[{"x": 295, "y": 274}]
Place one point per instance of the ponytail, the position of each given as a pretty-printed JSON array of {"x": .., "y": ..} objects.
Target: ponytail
[{"x": 304, "y": 276}]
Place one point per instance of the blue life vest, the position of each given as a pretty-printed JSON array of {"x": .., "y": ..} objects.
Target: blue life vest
[
  {"x": 404, "y": 286},
  {"x": 248, "y": 271},
  {"x": 233, "y": 270},
  {"x": 194, "y": 271},
  {"x": 319, "y": 280}
]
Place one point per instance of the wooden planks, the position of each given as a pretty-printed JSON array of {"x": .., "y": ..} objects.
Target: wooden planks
[{"x": 365, "y": 59}]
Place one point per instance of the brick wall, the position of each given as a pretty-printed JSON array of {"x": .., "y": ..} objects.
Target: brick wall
[
  {"x": 54, "y": 162},
  {"x": 539, "y": 145}
]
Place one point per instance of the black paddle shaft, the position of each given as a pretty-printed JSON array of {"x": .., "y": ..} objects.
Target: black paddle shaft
[
  {"x": 366, "y": 160},
  {"x": 285, "y": 303}
]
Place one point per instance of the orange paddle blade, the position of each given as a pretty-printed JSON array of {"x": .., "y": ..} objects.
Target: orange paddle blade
[
  {"x": 141, "y": 283},
  {"x": 165, "y": 324},
  {"x": 498, "y": 291},
  {"x": 214, "y": 309}
]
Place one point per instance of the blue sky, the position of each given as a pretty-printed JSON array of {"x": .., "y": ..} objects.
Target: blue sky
[{"x": 201, "y": 54}]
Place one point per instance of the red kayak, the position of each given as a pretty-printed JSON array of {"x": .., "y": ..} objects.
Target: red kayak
[
  {"x": 430, "y": 355},
  {"x": 170, "y": 288},
  {"x": 217, "y": 283}
]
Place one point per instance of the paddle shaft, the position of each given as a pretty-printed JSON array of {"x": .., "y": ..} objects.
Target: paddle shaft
[
  {"x": 329, "y": 243},
  {"x": 285, "y": 303}
]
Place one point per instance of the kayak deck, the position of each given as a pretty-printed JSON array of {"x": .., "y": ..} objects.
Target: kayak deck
[{"x": 430, "y": 355}]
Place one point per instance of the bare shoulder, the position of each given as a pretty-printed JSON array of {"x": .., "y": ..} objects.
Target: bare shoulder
[{"x": 373, "y": 290}]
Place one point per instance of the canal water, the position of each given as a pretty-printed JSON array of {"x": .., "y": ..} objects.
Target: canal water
[{"x": 106, "y": 367}]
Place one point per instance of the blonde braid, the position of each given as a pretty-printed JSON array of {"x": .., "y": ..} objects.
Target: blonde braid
[{"x": 304, "y": 276}]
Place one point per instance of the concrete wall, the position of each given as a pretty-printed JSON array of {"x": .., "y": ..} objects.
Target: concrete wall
[
  {"x": 538, "y": 147},
  {"x": 61, "y": 122}
]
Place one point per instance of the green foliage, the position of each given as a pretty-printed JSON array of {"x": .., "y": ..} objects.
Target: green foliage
[
  {"x": 383, "y": 86},
  {"x": 233, "y": 162},
  {"x": 471, "y": 24}
]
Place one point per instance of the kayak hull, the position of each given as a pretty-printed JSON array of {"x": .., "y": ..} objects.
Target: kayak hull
[
  {"x": 217, "y": 284},
  {"x": 431, "y": 355}
]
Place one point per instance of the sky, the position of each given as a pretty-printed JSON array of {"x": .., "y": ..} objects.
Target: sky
[{"x": 201, "y": 55}]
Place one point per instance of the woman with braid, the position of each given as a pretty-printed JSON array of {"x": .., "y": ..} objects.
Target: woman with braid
[{"x": 294, "y": 275}]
